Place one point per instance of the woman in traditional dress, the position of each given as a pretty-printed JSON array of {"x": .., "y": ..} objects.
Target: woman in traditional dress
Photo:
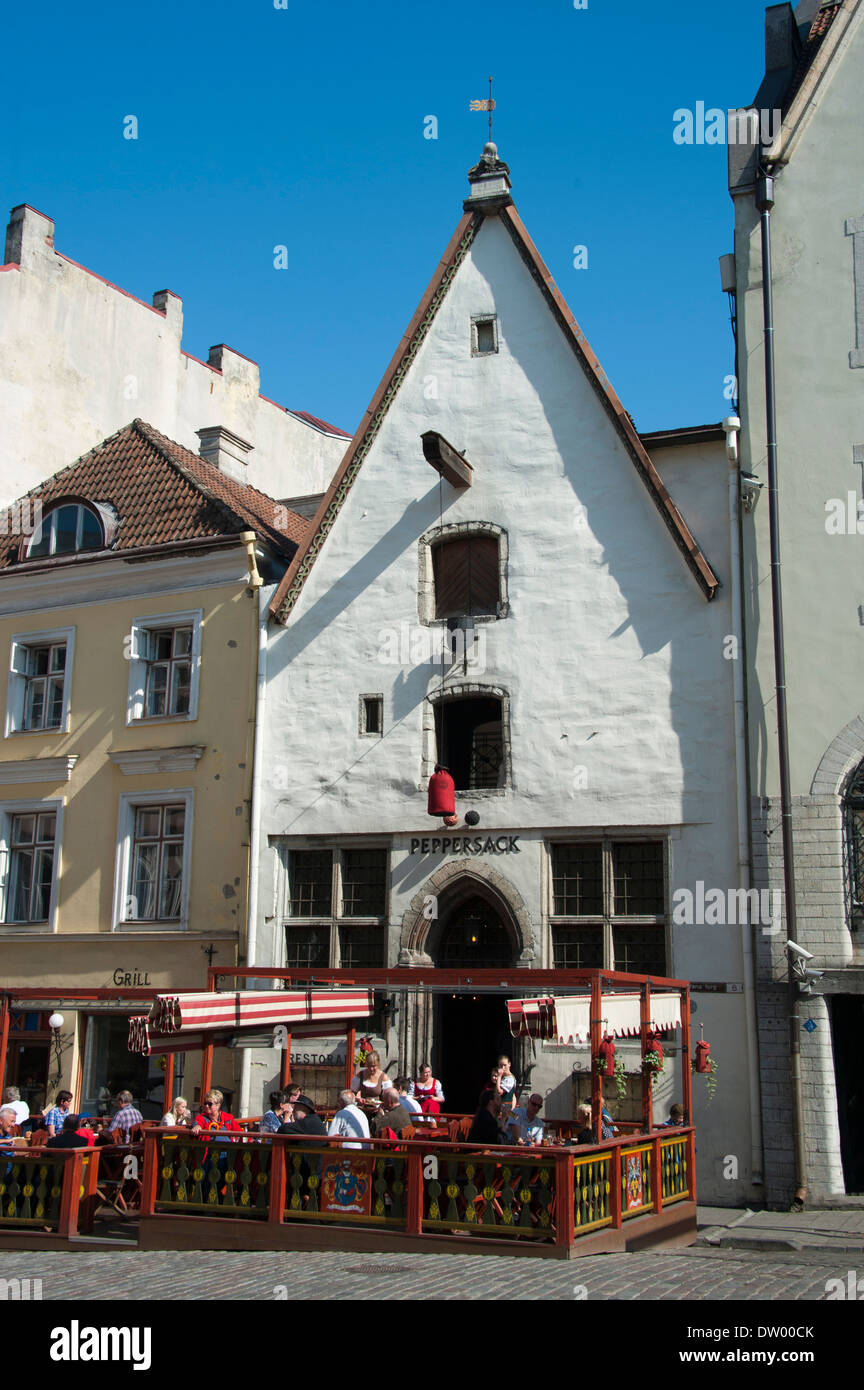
[
  {"x": 370, "y": 1081},
  {"x": 427, "y": 1091}
]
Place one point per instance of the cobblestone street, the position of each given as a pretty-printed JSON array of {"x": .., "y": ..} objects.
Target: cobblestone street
[{"x": 695, "y": 1274}]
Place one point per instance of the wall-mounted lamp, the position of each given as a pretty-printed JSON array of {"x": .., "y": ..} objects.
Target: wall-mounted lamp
[{"x": 55, "y": 1023}]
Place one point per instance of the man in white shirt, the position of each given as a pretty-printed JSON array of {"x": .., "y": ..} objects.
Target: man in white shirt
[
  {"x": 349, "y": 1121},
  {"x": 525, "y": 1126},
  {"x": 12, "y": 1097}
]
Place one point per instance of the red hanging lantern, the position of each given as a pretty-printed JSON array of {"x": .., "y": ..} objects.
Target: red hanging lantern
[
  {"x": 653, "y": 1044},
  {"x": 442, "y": 795},
  {"x": 700, "y": 1061},
  {"x": 606, "y": 1055}
]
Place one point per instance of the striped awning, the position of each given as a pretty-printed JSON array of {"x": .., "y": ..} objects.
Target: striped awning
[
  {"x": 173, "y": 1013},
  {"x": 568, "y": 1019},
  {"x": 189, "y": 1022}
]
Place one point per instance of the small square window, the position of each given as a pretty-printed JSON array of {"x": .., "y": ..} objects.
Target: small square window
[
  {"x": 372, "y": 715},
  {"x": 484, "y": 335}
]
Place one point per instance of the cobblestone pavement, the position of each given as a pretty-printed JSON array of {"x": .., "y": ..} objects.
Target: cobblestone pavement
[{"x": 695, "y": 1274}]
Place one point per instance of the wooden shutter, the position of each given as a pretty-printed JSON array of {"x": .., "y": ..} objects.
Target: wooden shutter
[{"x": 466, "y": 576}]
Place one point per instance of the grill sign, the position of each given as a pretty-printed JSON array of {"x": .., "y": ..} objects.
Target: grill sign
[{"x": 465, "y": 844}]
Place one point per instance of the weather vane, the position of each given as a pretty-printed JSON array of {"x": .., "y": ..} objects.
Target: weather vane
[{"x": 487, "y": 104}]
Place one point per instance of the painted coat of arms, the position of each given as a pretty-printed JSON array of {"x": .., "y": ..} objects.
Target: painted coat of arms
[
  {"x": 634, "y": 1181},
  {"x": 346, "y": 1186}
]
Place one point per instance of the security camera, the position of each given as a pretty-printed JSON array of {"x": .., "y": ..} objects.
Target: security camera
[{"x": 797, "y": 952}]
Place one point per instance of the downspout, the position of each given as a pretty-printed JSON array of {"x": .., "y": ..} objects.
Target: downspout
[
  {"x": 764, "y": 204},
  {"x": 264, "y": 596},
  {"x": 732, "y": 425}
]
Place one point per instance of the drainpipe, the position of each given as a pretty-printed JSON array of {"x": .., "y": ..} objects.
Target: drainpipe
[
  {"x": 732, "y": 425},
  {"x": 764, "y": 204},
  {"x": 264, "y": 596}
]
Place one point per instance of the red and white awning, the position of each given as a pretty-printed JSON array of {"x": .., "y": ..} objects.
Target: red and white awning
[
  {"x": 568, "y": 1019},
  {"x": 173, "y": 1013},
  {"x": 188, "y": 1022}
]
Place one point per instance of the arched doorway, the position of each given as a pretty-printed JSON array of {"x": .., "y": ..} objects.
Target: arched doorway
[{"x": 470, "y": 1029}]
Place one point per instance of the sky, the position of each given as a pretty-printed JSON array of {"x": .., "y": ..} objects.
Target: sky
[{"x": 304, "y": 127}]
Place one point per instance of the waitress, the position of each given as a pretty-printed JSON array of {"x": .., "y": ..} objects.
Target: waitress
[
  {"x": 370, "y": 1081},
  {"x": 427, "y": 1091}
]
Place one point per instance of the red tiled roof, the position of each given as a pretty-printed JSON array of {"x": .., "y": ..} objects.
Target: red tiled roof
[
  {"x": 822, "y": 22},
  {"x": 164, "y": 495}
]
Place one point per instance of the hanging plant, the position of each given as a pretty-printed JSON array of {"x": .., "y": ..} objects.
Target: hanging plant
[
  {"x": 709, "y": 1071},
  {"x": 621, "y": 1081},
  {"x": 364, "y": 1047},
  {"x": 652, "y": 1062}
]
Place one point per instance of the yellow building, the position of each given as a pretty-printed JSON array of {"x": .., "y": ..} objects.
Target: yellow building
[{"x": 130, "y": 628}]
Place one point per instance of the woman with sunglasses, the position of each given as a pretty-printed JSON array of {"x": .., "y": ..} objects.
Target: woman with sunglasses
[{"x": 214, "y": 1118}]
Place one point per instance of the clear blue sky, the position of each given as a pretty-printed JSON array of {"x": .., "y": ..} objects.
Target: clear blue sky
[{"x": 303, "y": 127}]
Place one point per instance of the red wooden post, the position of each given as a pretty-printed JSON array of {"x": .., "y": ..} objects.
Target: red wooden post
[
  {"x": 615, "y": 1184},
  {"x": 278, "y": 1182},
  {"x": 686, "y": 1078},
  {"x": 350, "y": 1049},
  {"x": 691, "y": 1163},
  {"x": 69, "y": 1195},
  {"x": 206, "y": 1068},
  {"x": 658, "y": 1176},
  {"x": 595, "y": 1028},
  {"x": 5, "y": 1012},
  {"x": 565, "y": 1216},
  {"x": 414, "y": 1193},
  {"x": 645, "y": 1021},
  {"x": 286, "y": 1062},
  {"x": 152, "y": 1156},
  {"x": 168, "y": 1086}
]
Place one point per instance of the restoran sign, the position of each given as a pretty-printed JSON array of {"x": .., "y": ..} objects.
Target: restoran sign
[{"x": 465, "y": 844}]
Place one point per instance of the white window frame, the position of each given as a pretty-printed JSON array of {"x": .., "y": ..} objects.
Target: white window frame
[
  {"x": 49, "y": 522},
  {"x": 129, "y": 803},
  {"x": 8, "y": 809},
  {"x": 16, "y": 691},
  {"x": 138, "y": 664}
]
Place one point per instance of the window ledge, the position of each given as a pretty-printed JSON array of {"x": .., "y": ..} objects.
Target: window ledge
[
  {"x": 147, "y": 929},
  {"x": 38, "y": 769},
  {"x": 134, "y": 761}
]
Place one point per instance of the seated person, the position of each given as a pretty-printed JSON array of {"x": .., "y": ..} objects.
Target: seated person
[
  {"x": 213, "y": 1117},
  {"x": 12, "y": 1098},
  {"x": 349, "y": 1121},
  {"x": 524, "y": 1125},
  {"x": 676, "y": 1117},
  {"x": 305, "y": 1121},
  {"x": 608, "y": 1128},
  {"x": 583, "y": 1120},
  {"x": 403, "y": 1085},
  {"x": 85, "y": 1130},
  {"x": 8, "y": 1130},
  {"x": 278, "y": 1114},
  {"x": 55, "y": 1116},
  {"x": 125, "y": 1120},
  {"x": 484, "y": 1129},
  {"x": 392, "y": 1115},
  {"x": 68, "y": 1138}
]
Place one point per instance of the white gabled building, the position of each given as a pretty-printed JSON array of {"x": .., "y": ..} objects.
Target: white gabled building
[{"x": 588, "y": 715}]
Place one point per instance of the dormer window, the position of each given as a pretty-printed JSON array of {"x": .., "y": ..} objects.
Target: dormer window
[{"x": 65, "y": 530}]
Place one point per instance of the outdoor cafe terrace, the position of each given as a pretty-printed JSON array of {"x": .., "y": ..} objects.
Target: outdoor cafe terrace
[{"x": 429, "y": 1189}]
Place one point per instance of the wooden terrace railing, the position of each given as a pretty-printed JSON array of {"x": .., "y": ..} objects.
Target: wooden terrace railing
[
  {"x": 550, "y": 1196},
  {"x": 48, "y": 1190}
]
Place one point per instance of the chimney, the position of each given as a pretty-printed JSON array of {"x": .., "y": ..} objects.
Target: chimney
[
  {"x": 28, "y": 235},
  {"x": 226, "y": 451}
]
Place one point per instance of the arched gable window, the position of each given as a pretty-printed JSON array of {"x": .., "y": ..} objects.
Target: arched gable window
[
  {"x": 853, "y": 816},
  {"x": 66, "y": 529}
]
